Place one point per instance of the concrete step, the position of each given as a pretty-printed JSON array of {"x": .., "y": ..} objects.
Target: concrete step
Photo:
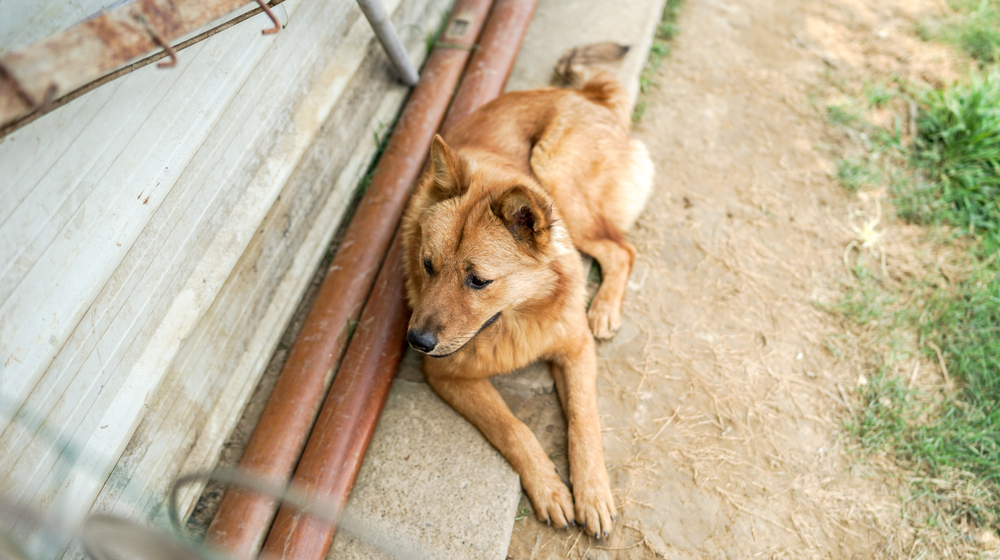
[{"x": 431, "y": 486}]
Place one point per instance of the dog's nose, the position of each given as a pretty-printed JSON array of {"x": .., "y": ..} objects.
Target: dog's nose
[{"x": 421, "y": 340}]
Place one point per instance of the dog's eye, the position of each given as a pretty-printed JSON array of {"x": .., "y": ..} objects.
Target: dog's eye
[
  {"x": 428, "y": 267},
  {"x": 477, "y": 283}
]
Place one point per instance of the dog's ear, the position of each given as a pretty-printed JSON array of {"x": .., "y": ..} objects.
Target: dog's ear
[
  {"x": 449, "y": 171},
  {"x": 527, "y": 215}
]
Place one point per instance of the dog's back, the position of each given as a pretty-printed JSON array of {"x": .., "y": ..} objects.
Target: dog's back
[{"x": 575, "y": 141}]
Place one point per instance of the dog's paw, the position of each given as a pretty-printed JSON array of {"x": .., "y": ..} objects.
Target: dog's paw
[
  {"x": 594, "y": 506},
  {"x": 605, "y": 318},
  {"x": 552, "y": 501}
]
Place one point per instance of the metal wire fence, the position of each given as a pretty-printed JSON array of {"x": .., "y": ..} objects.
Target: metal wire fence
[{"x": 102, "y": 536}]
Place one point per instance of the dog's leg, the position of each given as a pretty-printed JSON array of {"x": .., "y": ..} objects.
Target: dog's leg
[
  {"x": 479, "y": 402},
  {"x": 594, "y": 233},
  {"x": 616, "y": 256},
  {"x": 575, "y": 374}
]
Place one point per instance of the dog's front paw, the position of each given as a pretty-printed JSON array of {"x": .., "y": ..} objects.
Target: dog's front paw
[
  {"x": 551, "y": 499},
  {"x": 605, "y": 318},
  {"x": 595, "y": 508}
]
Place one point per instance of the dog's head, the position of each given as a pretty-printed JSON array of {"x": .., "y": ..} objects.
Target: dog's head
[{"x": 481, "y": 243}]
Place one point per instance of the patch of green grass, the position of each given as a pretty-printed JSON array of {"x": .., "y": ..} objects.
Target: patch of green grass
[
  {"x": 639, "y": 110},
  {"x": 949, "y": 176},
  {"x": 885, "y": 417},
  {"x": 855, "y": 173},
  {"x": 951, "y": 444},
  {"x": 594, "y": 274},
  {"x": 885, "y": 158},
  {"x": 843, "y": 114},
  {"x": 431, "y": 37},
  {"x": 522, "y": 513},
  {"x": 660, "y": 50},
  {"x": 974, "y": 28},
  {"x": 381, "y": 134},
  {"x": 977, "y": 29},
  {"x": 668, "y": 29},
  {"x": 866, "y": 303},
  {"x": 879, "y": 94},
  {"x": 958, "y": 146},
  {"x": 966, "y": 325},
  {"x": 956, "y": 438}
]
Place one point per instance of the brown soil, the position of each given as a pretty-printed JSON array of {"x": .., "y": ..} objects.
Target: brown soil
[{"x": 725, "y": 393}]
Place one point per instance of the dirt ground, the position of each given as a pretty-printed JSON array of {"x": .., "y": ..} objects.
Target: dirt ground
[{"x": 723, "y": 396}]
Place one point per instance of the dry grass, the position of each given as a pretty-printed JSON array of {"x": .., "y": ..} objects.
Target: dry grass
[
  {"x": 748, "y": 390},
  {"x": 726, "y": 408}
]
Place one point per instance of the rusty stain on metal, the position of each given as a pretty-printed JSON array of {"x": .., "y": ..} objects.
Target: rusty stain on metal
[
  {"x": 283, "y": 429},
  {"x": 16, "y": 86},
  {"x": 85, "y": 52},
  {"x": 274, "y": 19},
  {"x": 159, "y": 41},
  {"x": 10, "y": 97}
]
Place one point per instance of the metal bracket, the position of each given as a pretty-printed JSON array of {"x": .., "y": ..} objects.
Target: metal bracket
[{"x": 382, "y": 25}]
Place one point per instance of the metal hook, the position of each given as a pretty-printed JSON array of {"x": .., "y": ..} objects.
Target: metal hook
[
  {"x": 159, "y": 41},
  {"x": 166, "y": 47},
  {"x": 270, "y": 14}
]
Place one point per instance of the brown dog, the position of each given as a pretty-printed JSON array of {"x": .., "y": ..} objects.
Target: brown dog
[{"x": 494, "y": 280}]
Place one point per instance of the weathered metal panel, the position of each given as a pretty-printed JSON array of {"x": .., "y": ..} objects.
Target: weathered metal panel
[
  {"x": 23, "y": 22},
  {"x": 86, "y": 51},
  {"x": 109, "y": 362},
  {"x": 129, "y": 212},
  {"x": 85, "y": 182},
  {"x": 235, "y": 321}
]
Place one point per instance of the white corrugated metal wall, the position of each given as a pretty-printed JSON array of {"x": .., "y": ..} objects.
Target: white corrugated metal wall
[{"x": 155, "y": 236}]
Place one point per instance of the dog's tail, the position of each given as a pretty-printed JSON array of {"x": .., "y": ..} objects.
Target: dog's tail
[{"x": 578, "y": 68}]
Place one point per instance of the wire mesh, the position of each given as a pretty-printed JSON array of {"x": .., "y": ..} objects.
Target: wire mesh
[{"x": 111, "y": 537}]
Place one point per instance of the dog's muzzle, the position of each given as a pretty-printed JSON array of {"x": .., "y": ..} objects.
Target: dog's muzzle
[
  {"x": 426, "y": 342},
  {"x": 423, "y": 341}
]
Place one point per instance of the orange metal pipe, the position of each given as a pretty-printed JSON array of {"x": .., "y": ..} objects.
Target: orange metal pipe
[
  {"x": 333, "y": 456},
  {"x": 494, "y": 59},
  {"x": 244, "y": 516}
]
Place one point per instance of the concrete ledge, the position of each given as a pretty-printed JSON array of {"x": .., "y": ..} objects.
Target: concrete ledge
[{"x": 431, "y": 484}]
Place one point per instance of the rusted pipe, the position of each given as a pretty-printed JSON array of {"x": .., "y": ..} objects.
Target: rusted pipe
[
  {"x": 336, "y": 448},
  {"x": 333, "y": 456},
  {"x": 493, "y": 60},
  {"x": 243, "y": 518}
]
